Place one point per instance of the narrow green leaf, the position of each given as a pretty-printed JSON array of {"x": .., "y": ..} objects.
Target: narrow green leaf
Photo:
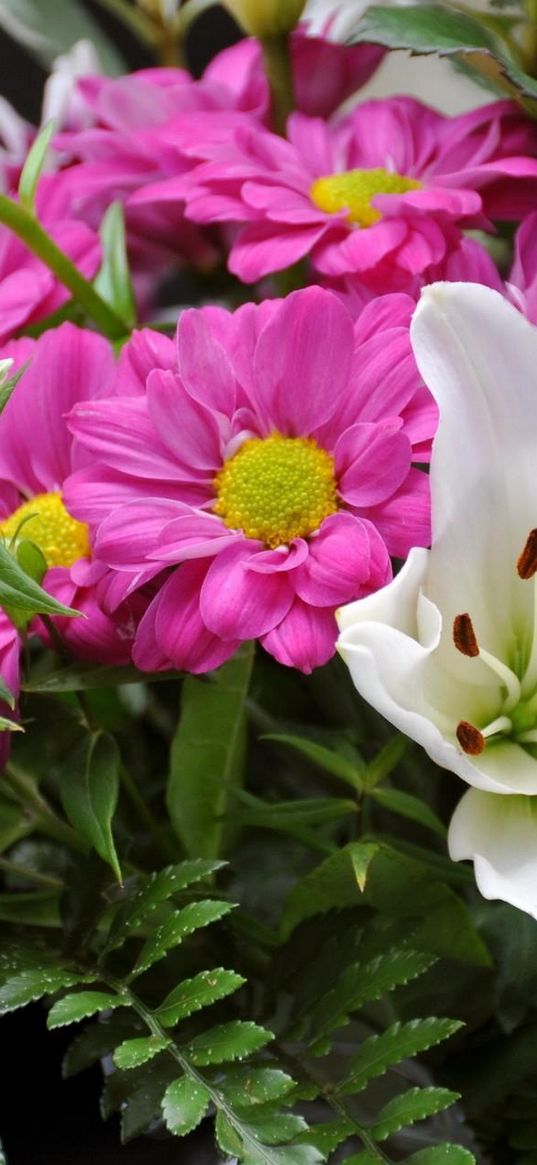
[
  {"x": 77, "y": 677},
  {"x": 7, "y": 725},
  {"x": 46, "y": 30},
  {"x": 22, "y": 595},
  {"x": 415, "y": 1105},
  {"x": 184, "y": 1105},
  {"x": 399, "y": 1042},
  {"x": 133, "y": 1053},
  {"x": 14, "y": 824},
  {"x": 277, "y": 1128},
  {"x": 442, "y": 1155},
  {"x": 332, "y": 762},
  {"x": 33, "y": 166},
  {"x": 177, "y": 927},
  {"x": 89, "y": 784},
  {"x": 193, "y": 994},
  {"x": 281, "y": 815},
  {"x": 228, "y": 1041},
  {"x": 73, "y": 1008},
  {"x": 207, "y": 757},
  {"x": 334, "y": 884},
  {"x": 34, "y": 984},
  {"x": 113, "y": 280},
  {"x": 227, "y": 1138},
  {"x": 31, "y": 560},
  {"x": 364, "y": 982},
  {"x": 411, "y": 807},
  {"x": 9, "y": 383},
  {"x": 385, "y": 761}
]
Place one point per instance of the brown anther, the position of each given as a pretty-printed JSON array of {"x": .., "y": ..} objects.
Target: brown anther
[
  {"x": 527, "y": 563},
  {"x": 464, "y": 636},
  {"x": 470, "y": 738}
]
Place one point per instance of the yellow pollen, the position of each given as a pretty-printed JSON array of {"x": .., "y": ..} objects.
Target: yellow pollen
[
  {"x": 46, "y": 522},
  {"x": 354, "y": 189},
  {"x": 276, "y": 489}
]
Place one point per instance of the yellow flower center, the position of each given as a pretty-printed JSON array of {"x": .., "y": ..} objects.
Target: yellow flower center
[
  {"x": 353, "y": 191},
  {"x": 276, "y": 489},
  {"x": 46, "y": 522}
]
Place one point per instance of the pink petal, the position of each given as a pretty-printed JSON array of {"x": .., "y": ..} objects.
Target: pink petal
[
  {"x": 302, "y": 361},
  {"x": 187, "y": 429},
  {"x": 347, "y": 560},
  {"x": 305, "y": 638},
  {"x": 131, "y": 533},
  {"x": 194, "y": 535},
  {"x": 145, "y": 351},
  {"x": 204, "y": 365},
  {"x": 173, "y": 633},
  {"x": 238, "y": 603},
  {"x": 372, "y": 461},
  {"x": 404, "y": 520},
  {"x": 264, "y": 247}
]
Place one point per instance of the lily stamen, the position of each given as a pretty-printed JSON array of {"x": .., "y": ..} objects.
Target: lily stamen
[
  {"x": 465, "y": 640},
  {"x": 527, "y": 562},
  {"x": 470, "y": 738}
]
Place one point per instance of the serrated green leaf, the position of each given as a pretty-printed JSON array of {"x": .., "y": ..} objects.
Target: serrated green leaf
[
  {"x": 277, "y": 1128},
  {"x": 184, "y": 1105},
  {"x": 207, "y": 757},
  {"x": 177, "y": 927},
  {"x": 73, "y": 1008},
  {"x": 228, "y": 1041},
  {"x": 33, "y": 166},
  {"x": 364, "y": 1158},
  {"x": 34, "y": 984},
  {"x": 364, "y": 982},
  {"x": 328, "y": 760},
  {"x": 113, "y": 280},
  {"x": 442, "y": 1155},
  {"x": 242, "y": 1087},
  {"x": 399, "y": 1042},
  {"x": 193, "y": 994},
  {"x": 99, "y": 1039},
  {"x": 142, "y": 1104},
  {"x": 133, "y": 1053},
  {"x": 435, "y": 29},
  {"x": 414, "y": 1105},
  {"x": 21, "y": 596},
  {"x": 227, "y": 1137},
  {"x": 411, "y": 807},
  {"x": 335, "y": 883},
  {"x": 327, "y": 1136},
  {"x": 158, "y": 887},
  {"x": 89, "y": 785}
]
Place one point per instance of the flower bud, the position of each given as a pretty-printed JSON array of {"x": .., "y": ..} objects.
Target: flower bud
[{"x": 264, "y": 18}]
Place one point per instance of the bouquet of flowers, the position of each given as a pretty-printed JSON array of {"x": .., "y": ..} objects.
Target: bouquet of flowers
[{"x": 268, "y": 576}]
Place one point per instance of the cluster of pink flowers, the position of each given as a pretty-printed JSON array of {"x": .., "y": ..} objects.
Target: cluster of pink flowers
[{"x": 244, "y": 480}]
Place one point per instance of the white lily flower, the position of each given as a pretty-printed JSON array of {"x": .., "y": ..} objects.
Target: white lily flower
[{"x": 448, "y": 651}]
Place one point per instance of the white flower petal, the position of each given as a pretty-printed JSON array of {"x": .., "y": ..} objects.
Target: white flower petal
[
  {"x": 388, "y": 642},
  {"x": 499, "y": 834},
  {"x": 478, "y": 356}
]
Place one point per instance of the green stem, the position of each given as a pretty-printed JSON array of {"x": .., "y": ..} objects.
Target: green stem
[
  {"x": 277, "y": 62},
  {"x": 141, "y": 25},
  {"x": 166, "y": 847},
  {"x": 31, "y": 233},
  {"x": 262, "y": 1153},
  {"x": 35, "y": 876},
  {"x": 44, "y": 819},
  {"x": 530, "y": 38}
]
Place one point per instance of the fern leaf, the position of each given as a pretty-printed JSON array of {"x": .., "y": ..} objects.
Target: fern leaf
[
  {"x": 363, "y": 983},
  {"x": 442, "y": 1155},
  {"x": 157, "y": 888},
  {"x": 409, "y": 1107},
  {"x": 251, "y": 1086},
  {"x": 133, "y": 1053},
  {"x": 184, "y": 1105},
  {"x": 399, "y": 1042},
  {"x": 73, "y": 1008},
  {"x": 228, "y": 1041},
  {"x": 193, "y": 994},
  {"x": 34, "y": 984},
  {"x": 177, "y": 927}
]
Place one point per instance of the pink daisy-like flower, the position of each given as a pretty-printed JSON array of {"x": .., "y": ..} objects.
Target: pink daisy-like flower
[
  {"x": 266, "y": 467},
  {"x": 383, "y": 192},
  {"x": 37, "y": 454}
]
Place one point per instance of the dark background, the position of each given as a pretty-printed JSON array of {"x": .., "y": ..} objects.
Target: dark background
[{"x": 45, "y": 1120}]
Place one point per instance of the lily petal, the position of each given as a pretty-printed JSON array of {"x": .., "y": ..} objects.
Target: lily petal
[{"x": 499, "y": 834}]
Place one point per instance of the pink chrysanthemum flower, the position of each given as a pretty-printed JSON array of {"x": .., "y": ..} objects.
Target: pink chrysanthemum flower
[
  {"x": 267, "y": 468},
  {"x": 37, "y": 454},
  {"x": 383, "y": 192}
]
